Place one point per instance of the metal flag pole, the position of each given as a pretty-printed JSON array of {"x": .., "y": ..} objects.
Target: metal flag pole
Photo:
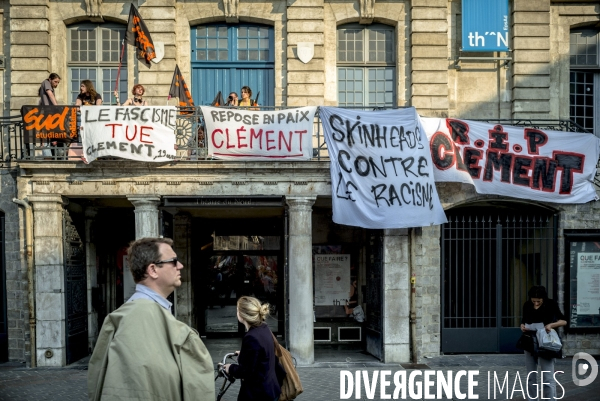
[{"x": 119, "y": 70}]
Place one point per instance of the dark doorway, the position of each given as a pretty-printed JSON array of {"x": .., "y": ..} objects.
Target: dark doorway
[
  {"x": 235, "y": 257},
  {"x": 491, "y": 255}
]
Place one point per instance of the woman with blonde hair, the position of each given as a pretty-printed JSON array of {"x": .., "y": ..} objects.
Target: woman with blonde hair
[
  {"x": 87, "y": 94},
  {"x": 137, "y": 99},
  {"x": 257, "y": 361}
]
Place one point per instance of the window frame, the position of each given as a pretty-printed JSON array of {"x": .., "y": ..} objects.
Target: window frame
[
  {"x": 367, "y": 66},
  {"x": 232, "y": 46},
  {"x": 98, "y": 65},
  {"x": 594, "y": 70}
]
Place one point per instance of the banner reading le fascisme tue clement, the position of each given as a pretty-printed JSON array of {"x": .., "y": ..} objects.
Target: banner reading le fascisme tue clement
[
  {"x": 235, "y": 134},
  {"x": 381, "y": 170},
  {"x": 138, "y": 133}
]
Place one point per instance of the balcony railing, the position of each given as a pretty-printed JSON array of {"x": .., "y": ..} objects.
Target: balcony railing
[{"x": 191, "y": 139}]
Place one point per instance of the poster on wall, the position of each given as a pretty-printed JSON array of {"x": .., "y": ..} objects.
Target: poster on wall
[
  {"x": 381, "y": 169},
  {"x": 235, "y": 134},
  {"x": 144, "y": 134},
  {"x": 521, "y": 162},
  {"x": 584, "y": 288},
  {"x": 332, "y": 279}
]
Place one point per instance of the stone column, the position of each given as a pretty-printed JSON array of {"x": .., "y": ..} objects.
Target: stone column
[
  {"x": 91, "y": 274},
  {"x": 50, "y": 279},
  {"x": 396, "y": 296},
  {"x": 532, "y": 62},
  {"x": 182, "y": 231},
  {"x": 300, "y": 279},
  {"x": 146, "y": 215},
  {"x": 429, "y": 64},
  {"x": 305, "y": 81},
  {"x": 29, "y": 57}
]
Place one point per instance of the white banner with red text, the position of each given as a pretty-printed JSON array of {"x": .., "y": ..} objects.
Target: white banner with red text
[
  {"x": 381, "y": 169},
  {"x": 526, "y": 163},
  {"x": 138, "y": 133},
  {"x": 235, "y": 134}
]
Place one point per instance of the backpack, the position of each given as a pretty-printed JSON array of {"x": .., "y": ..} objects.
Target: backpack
[{"x": 288, "y": 378}]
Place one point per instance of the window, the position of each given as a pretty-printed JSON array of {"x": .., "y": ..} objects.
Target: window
[
  {"x": 585, "y": 78},
  {"x": 226, "y": 57},
  {"x": 94, "y": 52},
  {"x": 366, "y": 66},
  {"x": 233, "y": 43}
]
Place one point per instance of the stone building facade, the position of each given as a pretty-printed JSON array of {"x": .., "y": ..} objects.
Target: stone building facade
[{"x": 83, "y": 214}]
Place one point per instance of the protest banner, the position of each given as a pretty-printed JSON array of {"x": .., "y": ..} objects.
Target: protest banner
[
  {"x": 137, "y": 133},
  {"x": 521, "y": 162},
  {"x": 49, "y": 123},
  {"x": 236, "y": 134},
  {"x": 381, "y": 170}
]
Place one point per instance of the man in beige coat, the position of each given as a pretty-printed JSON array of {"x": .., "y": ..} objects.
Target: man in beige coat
[{"x": 143, "y": 352}]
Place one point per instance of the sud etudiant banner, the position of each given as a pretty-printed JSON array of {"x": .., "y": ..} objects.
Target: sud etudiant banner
[
  {"x": 138, "y": 133},
  {"x": 527, "y": 163},
  {"x": 381, "y": 169},
  {"x": 42, "y": 124},
  {"x": 236, "y": 134}
]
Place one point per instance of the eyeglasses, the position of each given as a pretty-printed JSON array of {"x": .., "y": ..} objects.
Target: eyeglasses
[{"x": 172, "y": 260}]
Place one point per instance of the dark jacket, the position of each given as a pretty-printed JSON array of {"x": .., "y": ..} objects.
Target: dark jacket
[
  {"x": 547, "y": 313},
  {"x": 256, "y": 366}
]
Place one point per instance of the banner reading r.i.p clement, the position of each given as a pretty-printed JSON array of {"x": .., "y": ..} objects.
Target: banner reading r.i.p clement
[{"x": 521, "y": 162}]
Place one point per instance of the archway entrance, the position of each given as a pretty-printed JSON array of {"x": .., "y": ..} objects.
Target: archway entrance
[{"x": 492, "y": 253}]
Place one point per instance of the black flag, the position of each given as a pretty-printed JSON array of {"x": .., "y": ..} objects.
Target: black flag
[
  {"x": 179, "y": 89},
  {"x": 218, "y": 100},
  {"x": 137, "y": 35},
  {"x": 256, "y": 100}
]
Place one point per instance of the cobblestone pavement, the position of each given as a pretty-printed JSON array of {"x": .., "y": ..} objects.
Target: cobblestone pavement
[{"x": 321, "y": 381}]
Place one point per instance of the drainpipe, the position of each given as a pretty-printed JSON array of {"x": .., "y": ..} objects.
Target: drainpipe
[
  {"x": 30, "y": 281},
  {"x": 413, "y": 295}
]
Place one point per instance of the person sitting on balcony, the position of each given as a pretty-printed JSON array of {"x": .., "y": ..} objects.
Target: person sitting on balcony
[
  {"x": 87, "y": 94},
  {"x": 137, "y": 99}
]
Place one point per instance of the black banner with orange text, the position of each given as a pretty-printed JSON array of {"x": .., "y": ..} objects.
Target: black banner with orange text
[{"x": 49, "y": 124}]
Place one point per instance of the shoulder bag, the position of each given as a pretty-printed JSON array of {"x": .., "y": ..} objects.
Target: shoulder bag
[{"x": 288, "y": 378}]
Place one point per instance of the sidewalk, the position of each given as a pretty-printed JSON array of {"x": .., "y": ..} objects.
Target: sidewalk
[{"x": 321, "y": 381}]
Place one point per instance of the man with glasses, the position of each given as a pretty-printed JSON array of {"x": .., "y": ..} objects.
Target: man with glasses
[{"x": 143, "y": 352}]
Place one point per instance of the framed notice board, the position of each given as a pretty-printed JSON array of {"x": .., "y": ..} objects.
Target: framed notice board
[{"x": 582, "y": 252}]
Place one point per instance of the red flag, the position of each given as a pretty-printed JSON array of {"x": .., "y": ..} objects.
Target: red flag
[
  {"x": 138, "y": 36},
  {"x": 179, "y": 89}
]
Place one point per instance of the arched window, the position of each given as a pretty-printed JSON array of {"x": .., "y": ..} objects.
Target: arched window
[
  {"x": 366, "y": 66},
  {"x": 227, "y": 57},
  {"x": 93, "y": 53},
  {"x": 585, "y": 78}
]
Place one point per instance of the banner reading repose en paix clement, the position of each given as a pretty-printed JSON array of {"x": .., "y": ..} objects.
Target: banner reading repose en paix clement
[
  {"x": 138, "y": 133},
  {"x": 521, "y": 162},
  {"x": 236, "y": 134},
  {"x": 381, "y": 170}
]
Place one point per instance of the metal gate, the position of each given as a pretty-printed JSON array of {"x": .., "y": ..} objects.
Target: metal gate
[
  {"x": 491, "y": 256},
  {"x": 76, "y": 292},
  {"x": 374, "y": 313}
]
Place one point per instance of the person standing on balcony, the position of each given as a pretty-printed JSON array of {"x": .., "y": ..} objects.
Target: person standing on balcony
[
  {"x": 232, "y": 100},
  {"x": 46, "y": 91},
  {"x": 246, "y": 98},
  {"x": 137, "y": 99},
  {"x": 88, "y": 95}
]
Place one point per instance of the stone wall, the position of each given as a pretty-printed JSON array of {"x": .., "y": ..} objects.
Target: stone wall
[{"x": 16, "y": 271}]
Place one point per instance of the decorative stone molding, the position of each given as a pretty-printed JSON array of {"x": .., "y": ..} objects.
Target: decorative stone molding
[
  {"x": 367, "y": 11},
  {"x": 93, "y": 9},
  {"x": 231, "y": 10}
]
